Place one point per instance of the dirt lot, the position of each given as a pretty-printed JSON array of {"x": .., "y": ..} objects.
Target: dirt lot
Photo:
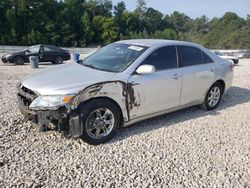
[{"x": 188, "y": 148}]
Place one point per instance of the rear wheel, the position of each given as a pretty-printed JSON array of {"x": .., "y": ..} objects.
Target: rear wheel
[
  {"x": 100, "y": 121},
  {"x": 18, "y": 60},
  {"x": 58, "y": 60},
  {"x": 213, "y": 97}
]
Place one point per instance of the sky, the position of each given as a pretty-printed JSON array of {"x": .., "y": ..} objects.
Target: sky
[{"x": 196, "y": 8}]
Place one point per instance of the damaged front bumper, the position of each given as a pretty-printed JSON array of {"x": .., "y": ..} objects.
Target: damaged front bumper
[
  {"x": 63, "y": 118},
  {"x": 43, "y": 117}
]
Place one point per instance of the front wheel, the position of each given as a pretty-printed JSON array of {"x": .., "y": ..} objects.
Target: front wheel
[
  {"x": 213, "y": 97},
  {"x": 100, "y": 121},
  {"x": 18, "y": 60}
]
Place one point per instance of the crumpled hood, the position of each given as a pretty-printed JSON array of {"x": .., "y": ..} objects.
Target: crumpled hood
[{"x": 65, "y": 79}]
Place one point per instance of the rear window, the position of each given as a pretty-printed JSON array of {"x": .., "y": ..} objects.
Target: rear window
[{"x": 189, "y": 56}]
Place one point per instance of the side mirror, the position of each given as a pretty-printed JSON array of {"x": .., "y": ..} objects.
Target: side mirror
[
  {"x": 28, "y": 51},
  {"x": 145, "y": 69}
]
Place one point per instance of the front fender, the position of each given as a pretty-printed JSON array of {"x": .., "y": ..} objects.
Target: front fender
[{"x": 115, "y": 90}]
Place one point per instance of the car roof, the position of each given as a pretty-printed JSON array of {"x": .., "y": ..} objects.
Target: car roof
[
  {"x": 46, "y": 45},
  {"x": 52, "y": 46},
  {"x": 156, "y": 42}
]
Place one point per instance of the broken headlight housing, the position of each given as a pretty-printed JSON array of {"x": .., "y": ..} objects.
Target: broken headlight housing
[{"x": 50, "y": 102}]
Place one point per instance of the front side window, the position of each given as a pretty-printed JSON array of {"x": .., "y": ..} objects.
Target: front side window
[
  {"x": 189, "y": 56},
  {"x": 162, "y": 59},
  {"x": 34, "y": 49},
  {"x": 115, "y": 57}
]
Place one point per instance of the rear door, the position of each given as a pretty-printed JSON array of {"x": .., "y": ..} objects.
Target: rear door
[
  {"x": 197, "y": 73},
  {"x": 158, "y": 91}
]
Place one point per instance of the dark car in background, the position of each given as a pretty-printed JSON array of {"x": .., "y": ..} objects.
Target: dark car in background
[{"x": 45, "y": 53}]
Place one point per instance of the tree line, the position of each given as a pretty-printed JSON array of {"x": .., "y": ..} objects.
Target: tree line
[{"x": 81, "y": 23}]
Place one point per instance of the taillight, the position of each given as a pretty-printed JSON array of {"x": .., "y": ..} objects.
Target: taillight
[{"x": 232, "y": 67}]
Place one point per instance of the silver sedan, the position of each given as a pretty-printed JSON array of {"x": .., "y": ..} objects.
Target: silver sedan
[{"x": 123, "y": 83}]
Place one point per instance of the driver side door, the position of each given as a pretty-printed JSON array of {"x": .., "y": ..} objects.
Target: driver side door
[{"x": 158, "y": 91}]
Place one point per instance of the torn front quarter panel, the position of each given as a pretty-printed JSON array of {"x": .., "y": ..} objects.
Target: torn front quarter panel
[
  {"x": 118, "y": 91},
  {"x": 114, "y": 90}
]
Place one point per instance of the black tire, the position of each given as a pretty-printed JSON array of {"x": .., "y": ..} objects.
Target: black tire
[
  {"x": 58, "y": 60},
  {"x": 206, "y": 104},
  {"x": 18, "y": 60},
  {"x": 86, "y": 111},
  {"x": 236, "y": 62}
]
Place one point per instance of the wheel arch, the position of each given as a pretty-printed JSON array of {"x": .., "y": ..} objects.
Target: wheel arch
[
  {"x": 112, "y": 91},
  {"x": 107, "y": 99},
  {"x": 19, "y": 55},
  {"x": 222, "y": 83}
]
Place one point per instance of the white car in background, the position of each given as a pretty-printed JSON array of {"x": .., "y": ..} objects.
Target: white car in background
[{"x": 233, "y": 59}]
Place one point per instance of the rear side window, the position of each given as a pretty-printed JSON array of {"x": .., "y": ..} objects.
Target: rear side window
[
  {"x": 206, "y": 58},
  {"x": 162, "y": 59},
  {"x": 189, "y": 56},
  {"x": 52, "y": 48}
]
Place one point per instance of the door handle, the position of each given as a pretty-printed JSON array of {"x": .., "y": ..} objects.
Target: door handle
[{"x": 176, "y": 76}]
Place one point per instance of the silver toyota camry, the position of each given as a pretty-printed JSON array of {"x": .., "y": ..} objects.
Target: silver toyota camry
[{"x": 123, "y": 83}]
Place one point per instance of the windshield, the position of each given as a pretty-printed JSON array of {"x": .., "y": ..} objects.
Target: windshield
[{"x": 115, "y": 57}]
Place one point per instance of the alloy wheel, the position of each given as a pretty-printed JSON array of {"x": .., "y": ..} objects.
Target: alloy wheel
[
  {"x": 214, "y": 96},
  {"x": 100, "y": 123}
]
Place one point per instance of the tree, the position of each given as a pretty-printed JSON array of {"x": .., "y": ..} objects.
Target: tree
[
  {"x": 119, "y": 17},
  {"x": 180, "y": 21},
  {"x": 169, "y": 34},
  {"x": 87, "y": 22},
  {"x": 87, "y": 30},
  {"x": 105, "y": 29},
  {"x": 153, "y": 20},
  {"x": 140, "y": 12}
]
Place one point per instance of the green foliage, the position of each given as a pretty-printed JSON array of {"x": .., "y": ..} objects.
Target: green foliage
[
  {"x": 88, "y": 32},
  {"x": 94, "y": 22},
  {"x": 105, "y": 29}
]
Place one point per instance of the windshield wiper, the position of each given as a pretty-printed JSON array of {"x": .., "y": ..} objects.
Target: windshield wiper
[
  {"x": 90, "y": 66},
  {"x": 97, "y": 68}
]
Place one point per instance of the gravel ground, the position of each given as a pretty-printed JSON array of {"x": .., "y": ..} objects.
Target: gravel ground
[{"x": 188, "y": 148}]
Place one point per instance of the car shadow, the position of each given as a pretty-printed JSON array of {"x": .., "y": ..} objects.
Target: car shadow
[{"x": 234, "y": 96}]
